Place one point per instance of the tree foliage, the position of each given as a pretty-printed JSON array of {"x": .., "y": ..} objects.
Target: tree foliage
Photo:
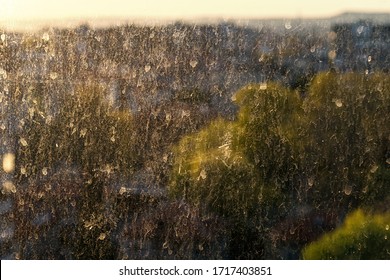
[
  {"x": 322, "y": 152},
  {"x": 84, "y": 133},
  {"x": 362, "y": 236}
]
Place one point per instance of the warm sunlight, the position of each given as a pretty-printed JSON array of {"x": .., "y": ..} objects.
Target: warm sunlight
[{"x": 45, "y": 9}]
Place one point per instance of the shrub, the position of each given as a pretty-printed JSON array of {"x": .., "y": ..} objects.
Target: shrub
[{"x": 362, "y": 236}]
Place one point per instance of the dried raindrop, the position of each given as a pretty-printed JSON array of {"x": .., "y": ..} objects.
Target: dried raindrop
[
  {"x": 122, "y": 190},
  {"x": 8, "y": 187},
  {"x": 45, "y": 36},
  {"x": 83, "y": 132},
  {"x": 23, "y": 170},
  {"x": 53, "y": 75},
  {"x": 44, "y": 171},
  {"x": 374, "y": 168},
  {"x": 23, "y": 142},
  {"x": 102, "y": 236},
  {"x": 338, "y": 102},
  {"x": 332, "y": 55},
  {"x": 263, "y": 86},
  {"x": 193, "y": 63},
  {"x": 348, "y": 189},
  {"x": 3, "y": 73},
  {"x": 185, "y": 113},
  {"x": 9, "y": 162},
  {"x": 202, "y": 174}
]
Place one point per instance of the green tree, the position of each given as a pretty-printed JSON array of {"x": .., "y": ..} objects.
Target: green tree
[
  {"x": 241, "y": 170},
  {"x": 346, "y": 139},
  {"x": 84, "y": 133},
  {"x": 362, "y": 236}
]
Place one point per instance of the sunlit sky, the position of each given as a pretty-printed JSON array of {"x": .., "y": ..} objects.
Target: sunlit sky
[
  {"x": 31, "y": 14},
  {"x": 168, "y": 9}
]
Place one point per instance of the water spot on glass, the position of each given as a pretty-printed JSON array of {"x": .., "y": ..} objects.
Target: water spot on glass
[
  {"x": 332, "y": 55},
  {"x": 3, "y": 73},
  {"x": 360, "y": 29},
  {"x": 387, "y": 227},
  {"x": 168, "y": 117},
  {"x": 338, "y": 102},
  {"x": 2, "y": 126},
  {"x": 310, "y": 181},
  {"x": 348, "y": 189},
  {"x": 102, "y": 236},
  {"x": 7, "y": 233},
  {"x": 8, "y": 187},
  {"x": 23, "y": 142},
  {"x": 3, "y": 37},
  {"x": 46, "y": 37},
  {"x": 367, "y": 72},
  {"x": 165, "y": 245},
  {"x": 147, "y": 68},
  {"x": 23, "y": 170},
  {"x": 112, "y": 139},
  {"x": 44, "y": 171},
  {"x": 263, "y": 86},
  {"x": 374, "y": 168},
  {"x": 73, "y": 203},
  {"x": 170, "y": 252},
  {"x": 53, "y": 75},
  {"x": 288, "y": 25},
  {"x": 200, "y": 247},
  {"x": 386, "y": 237},
  {"x": 388, "y": 161},
  {"x": 83, "y": 132},
  {"x": 122, "y": 190},
  {"x": 9, "y": 162},
  {"x": 202, "y": 175},
  {"x": 185, "y": 113},
  {"x": 313, "y": 49},
  {"x": 151, "y": 36},
  {"x": 369, "y": 58},
  {"x": 193, "y": 63}
]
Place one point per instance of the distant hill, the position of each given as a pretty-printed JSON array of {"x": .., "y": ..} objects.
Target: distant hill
[{"x": 280, "y": 24}]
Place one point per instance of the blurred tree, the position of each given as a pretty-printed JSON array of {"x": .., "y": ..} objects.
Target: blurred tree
[
  {"x": 75, "y": 136},
  {"x": 243, "y": 170},
  {"x": 362, "y": 236},
  {"x": 346, "y": 140}
]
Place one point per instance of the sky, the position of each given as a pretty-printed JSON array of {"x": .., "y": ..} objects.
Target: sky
[{"x": 12, "y": 10}]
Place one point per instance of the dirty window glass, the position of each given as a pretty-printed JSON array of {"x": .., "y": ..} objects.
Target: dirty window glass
[{"x": 194, "y": 133}]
